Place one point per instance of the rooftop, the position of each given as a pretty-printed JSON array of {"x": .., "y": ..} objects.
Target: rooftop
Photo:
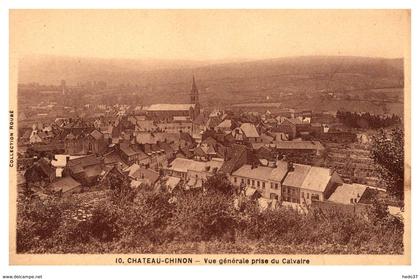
[
  {"x": 64, "y": 184},
  {"x": 345, "y": 192},
  {"x": 262, "y": 172},
  {"x": 184, "y": 165},
  {"x": 169, "y": 107},
  {"x": 308, "y": 177},
  {"x": 249, "y": 130}
]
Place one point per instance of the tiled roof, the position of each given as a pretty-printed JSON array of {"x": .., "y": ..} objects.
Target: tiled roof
[
  {"x": 296, "y": 177},
  {"x": 233, "y": 154},
  {"x": 308, "y": 177},
  {"x": 249, "y": 130},
  {"x": 112, "y": 157},
  {"x": 64, "y": 184},
  {"x": 127, "y": 150},
  {"x": 85, "y": 161},
  {"x": 317, "y": 179},
  {"x": 226, "y": 124},
  {"x": 184, "y": 165},
  {"x": 148, "y": 174},
  {"x": 263, "y": 173},
  {"x": 92, "y": 171},
  {"x": 172, "y": 182},
  {"x": 345, "y": 192}
]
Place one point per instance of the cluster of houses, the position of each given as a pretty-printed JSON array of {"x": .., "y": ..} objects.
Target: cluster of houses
[{"x": 176, "y": 147}]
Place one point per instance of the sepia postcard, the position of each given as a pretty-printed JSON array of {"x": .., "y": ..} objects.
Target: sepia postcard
[{"x": 210, "y": 137}]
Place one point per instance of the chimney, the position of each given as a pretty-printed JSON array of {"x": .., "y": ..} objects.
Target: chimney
[{"x": 290, "y": 166}]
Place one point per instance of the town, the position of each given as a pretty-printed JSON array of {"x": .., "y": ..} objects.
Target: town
[
  {"x": 279, "y": 155},
  {"x": 268, "y": 154}
]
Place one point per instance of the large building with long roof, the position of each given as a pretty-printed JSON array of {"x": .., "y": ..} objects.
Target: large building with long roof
[{"x": 176, "y": 112}]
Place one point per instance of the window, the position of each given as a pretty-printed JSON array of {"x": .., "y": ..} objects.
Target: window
[
  {"x": 303, "y": 195},
  {"x": 263, "y": 185},
  {"x": 315, "y": 197},
  {"x": 307, "y": 195},
  {"x": 234, "y": 179},
  {"x": 248, "y": 181},
  {"x": 258, "y": 184},
  {"x": 271, "y": 185},
  {"x": 253, "y": 182},
  {"x": 277, "y": 186},
  {"x": 242, "y": 180}
]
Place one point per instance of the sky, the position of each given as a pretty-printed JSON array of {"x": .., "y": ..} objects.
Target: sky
[{"x": 209, "y": 34}]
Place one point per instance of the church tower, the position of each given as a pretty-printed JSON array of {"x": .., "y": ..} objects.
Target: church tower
[{"x": 194, "y": 93}]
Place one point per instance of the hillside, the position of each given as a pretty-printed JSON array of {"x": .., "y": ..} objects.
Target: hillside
[{"x": 277, "y": 80}]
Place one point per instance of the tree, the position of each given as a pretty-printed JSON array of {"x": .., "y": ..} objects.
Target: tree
[
  {"x": 219, "y": 183},
  {"x": 388, "y": 152}
]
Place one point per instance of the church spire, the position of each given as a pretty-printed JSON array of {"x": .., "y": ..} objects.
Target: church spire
[{"x": 194, "y": 92}]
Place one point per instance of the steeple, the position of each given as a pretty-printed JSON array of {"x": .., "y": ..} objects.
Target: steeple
[{"x": 194, "y": 92}]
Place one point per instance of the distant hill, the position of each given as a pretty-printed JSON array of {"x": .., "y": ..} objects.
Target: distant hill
[
  {"x": 356, "y": 83},
  {"x": 52, "y": 69}
]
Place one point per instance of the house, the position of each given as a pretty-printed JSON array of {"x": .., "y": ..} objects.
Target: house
[
  {"x": 35, "y": 137},
  {"x": 159, "y": 155},
  {"x": 166, "y": 112},
  {"x": 305, "y": 183},
  {"x": 348, "y": 193},
  {"x": 178, "y": 124},
  {"x": 171, "y": 183},
  {"x": 226, "y": 126},
  {"x": 82, "y": 142},
  {"x": 265, "y": 138},
  {"x": 287, "y": 127},
  {"x": 51, "y": 148},
  {"x": 199, "y": 125},
  {"x": 212, "y": 122},
  {"x": 250, "y": 132},
  {"x": 85, "y": 170},
  {"x": 60, "y": 161},
  {"x": 65, "y": 186},
  {"x": 141, "y": 174},
  {"x": 112, "y": 158},
  {"x": 145, "y": 126},
  {"x": 235, "y": 157},
  {"x": 192, "y": 173},
  {"x": 204, "y": 152},
  {"x": 208, "y": 149},
  {"x": 132, "y": 153},
  {"x": 267, "y": 180}
]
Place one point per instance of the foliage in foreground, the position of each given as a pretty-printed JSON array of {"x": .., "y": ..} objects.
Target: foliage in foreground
[
  {"x": 199, "y": 222},
  {"x": 388, "y": 153}
]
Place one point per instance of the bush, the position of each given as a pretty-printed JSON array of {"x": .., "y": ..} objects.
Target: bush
[{"x": 140, "y": 221}]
